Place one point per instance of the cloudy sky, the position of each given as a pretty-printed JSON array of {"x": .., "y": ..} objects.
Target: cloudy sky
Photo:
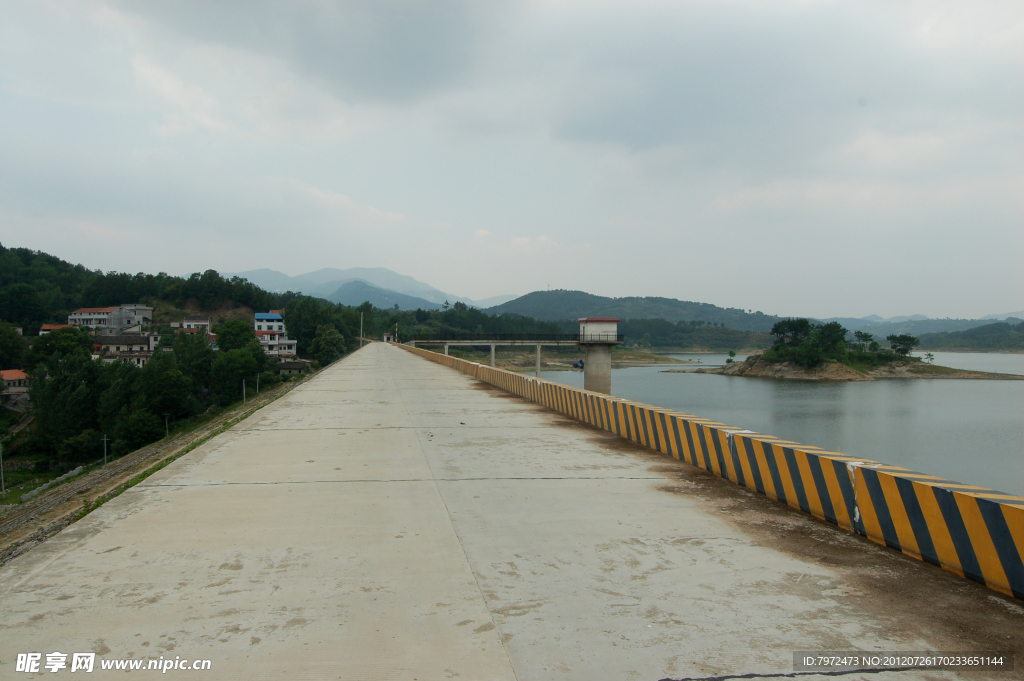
[{"x": 793, "y": 156}]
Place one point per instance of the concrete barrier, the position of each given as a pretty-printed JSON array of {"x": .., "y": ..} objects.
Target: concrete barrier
[{"x": 975, "y": 532}]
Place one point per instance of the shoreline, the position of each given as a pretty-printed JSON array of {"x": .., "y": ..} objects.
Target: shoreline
[{"x": 754, "y": 367}]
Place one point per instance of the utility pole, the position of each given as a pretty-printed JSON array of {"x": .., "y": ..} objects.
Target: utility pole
[
  {"x": 167, "y": 428},
  {"x": 104, "y": 449},
  {"x": 243, "y": 391},
  {"x": 257, "y": 384},
  {"x": 3, "y": 486},
  {"x": 360, "y": 329},
  {"x": 396, "y": 332}
]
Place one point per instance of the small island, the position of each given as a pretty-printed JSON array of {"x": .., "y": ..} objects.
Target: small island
[{"x": 828, "y": 352}]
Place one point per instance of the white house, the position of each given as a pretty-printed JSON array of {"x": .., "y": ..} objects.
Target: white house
[
  {"x": 273, "y": 336},
  {"x": 197, "y": 323},
  {"x": 112, "y": 320}
]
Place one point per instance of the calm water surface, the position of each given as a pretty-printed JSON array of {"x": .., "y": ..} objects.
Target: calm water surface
[{"x": 969, "y": 431}]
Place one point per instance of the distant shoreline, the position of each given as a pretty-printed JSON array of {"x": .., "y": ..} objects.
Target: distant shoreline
[
  {"x": 966, "y": 351},
  {"x": 754, "y": 367}
]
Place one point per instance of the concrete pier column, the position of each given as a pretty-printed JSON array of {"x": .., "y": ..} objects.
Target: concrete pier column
[
  {"x": 492, "y": 355},
  {"x": 445, "y": 349},
  {"x": 538, "y": 360},
  {"x": 597, "y": 337},
  {"x": 597, "y": 368}
]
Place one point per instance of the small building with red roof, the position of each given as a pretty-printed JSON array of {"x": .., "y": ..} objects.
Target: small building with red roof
[{"x": 15, "y": 381}]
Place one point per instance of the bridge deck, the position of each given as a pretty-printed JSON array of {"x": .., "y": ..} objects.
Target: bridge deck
[{"x": 393, "y": 519}]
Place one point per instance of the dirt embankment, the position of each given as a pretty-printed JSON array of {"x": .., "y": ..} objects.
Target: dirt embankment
[{"x": 755, "y": 367}]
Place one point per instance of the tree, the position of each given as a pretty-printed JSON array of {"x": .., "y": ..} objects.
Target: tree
[
  {"x": 59, "y": 343},
  {"x": 85, "y": 447},
  {"x": 903, "y": 344},
  {"x": 194, "y": 357},
  {"x": 13, "y": 347},
  {"x": 66, "y": 392},
  {"x": 303, "y": 317},
  {"x": 118, "y": 382},
  {"x": 863, "y": 338},
  {"x": 234, "y": 334},
  {"x": 164, "y": 390},
  {"x": 445, "y": 306},
  {"x": 328, "y": 345},
  {"x": 20, "y": 304},
  {"x": 229, "y": 370},
  {"x": 791, "y": 331},
  {"x": 137, "y": 429},
  {"x": 831, "y": 338}
]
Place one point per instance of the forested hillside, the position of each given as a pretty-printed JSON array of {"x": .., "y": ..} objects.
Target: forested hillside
[
  {"x": 657, "y": 333},
  {"x": 999, "y": 336},
  {"x": 36, "y": 288},
  {"x": 560, "y": 305}
]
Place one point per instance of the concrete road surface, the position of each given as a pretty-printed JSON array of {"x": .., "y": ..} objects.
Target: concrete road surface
[{"x": 394, "y": 519}]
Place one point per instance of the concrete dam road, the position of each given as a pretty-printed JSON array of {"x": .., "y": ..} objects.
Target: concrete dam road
[{"x": 395, "y": 519}]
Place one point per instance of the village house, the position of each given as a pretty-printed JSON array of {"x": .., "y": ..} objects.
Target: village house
[
  {"x": 111, "y": 321},
  {"x": 291, "y": 367},
  {"x": 47, "y": 328},
  {"x": 132, "y": 348},
  {"x": 272, "y": 335},
  {"x": 15, "y": 381},
  {"x": 194, "y": 323}
]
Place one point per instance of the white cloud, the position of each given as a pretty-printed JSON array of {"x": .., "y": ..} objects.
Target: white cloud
[
  {"x": 430, "y": 137},
  {"x": 186, "y": 106}
]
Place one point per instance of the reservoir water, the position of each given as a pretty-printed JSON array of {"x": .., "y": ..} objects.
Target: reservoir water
[{"x": 970, "y": 431}]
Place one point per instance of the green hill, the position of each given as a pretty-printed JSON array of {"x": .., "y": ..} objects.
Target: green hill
[
  {"x": 36, "y": 288},
  {"x": 560, "y": 305},
  {"x": 999, "y": 336},
  {"x": 357, "y": 291}
]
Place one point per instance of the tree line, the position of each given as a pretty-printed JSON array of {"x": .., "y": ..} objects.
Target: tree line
[
  {"x": 77, "y": 400},
  {"x": 653, "y": 333},
  {"x": 807, "y": 344},
  {"x": 37, "y": 288}
]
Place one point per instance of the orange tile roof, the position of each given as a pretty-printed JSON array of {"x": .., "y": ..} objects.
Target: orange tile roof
[
  {"x": 12, "y": 374},
  {"x": 54, "y": 327}
]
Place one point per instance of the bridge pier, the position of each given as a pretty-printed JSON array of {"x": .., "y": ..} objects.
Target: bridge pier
[
  {"x": 492, "y": 354},
  {"x": 538, "y": 360},
  {"x": 445, "y": 349},
  {"x": 597, "y": 336}
]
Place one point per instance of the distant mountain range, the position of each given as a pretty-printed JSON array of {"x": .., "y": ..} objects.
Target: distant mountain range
[
  {"x": 384, "y": 288},
  {"x": 375, "y": 283},
  {"x": 561, "y": 305},
  {"x": 357, "y": 292},
  {"x": 915, "y": 325}
]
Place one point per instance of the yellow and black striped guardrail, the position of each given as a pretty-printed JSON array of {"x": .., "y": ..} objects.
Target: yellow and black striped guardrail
[{"x": 975, "y": 532}]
